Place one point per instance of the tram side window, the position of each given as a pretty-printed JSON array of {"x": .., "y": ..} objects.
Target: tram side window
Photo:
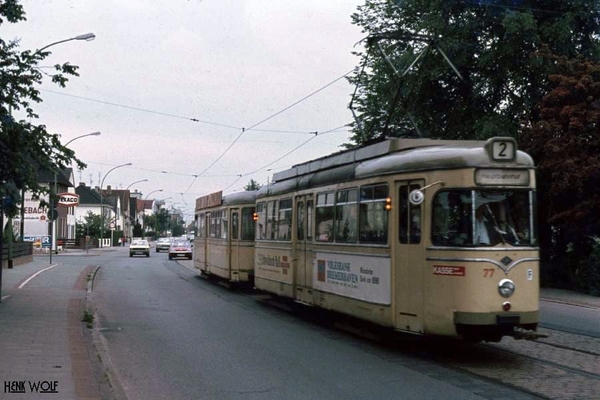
[
  {"x": 300, "y": 219},
  {"x": 373, "y": 217},
  {"x": 261, "y": 222},
  {"x": 309, "y": 220},
  {"x": 271, "y": 220},
  {"x": 248, "y": 223},
  {"x": 224, "y": 225},
  {"x": 284, "y": 222},
  {"x": 324, "y": 217},
  {"x": 410, "y": 216},
  {"x": 346, "y": 216},
  {"x": 199, "y": 223},
  {"x": 215, "y": 224},
  {"x": 235, "y": 224}
]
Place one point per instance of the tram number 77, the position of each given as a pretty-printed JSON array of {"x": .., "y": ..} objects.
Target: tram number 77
[{"x": 488, "y": 272}]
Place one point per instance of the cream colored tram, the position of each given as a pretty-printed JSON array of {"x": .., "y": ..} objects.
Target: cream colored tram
[
  {"x": 388, "y": 233},
  {"x": 224, "y": 241}
]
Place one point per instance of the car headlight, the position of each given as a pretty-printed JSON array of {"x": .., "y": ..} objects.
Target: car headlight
[{"x": 506, "y": 288}]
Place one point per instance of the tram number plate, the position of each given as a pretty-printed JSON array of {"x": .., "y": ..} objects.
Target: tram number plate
[{"x": 503, "y": 150}]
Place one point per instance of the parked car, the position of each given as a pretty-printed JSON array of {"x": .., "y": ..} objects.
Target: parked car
[
  {"x": 163, "y": 243},
  {"x": 180, "y": 248},
  {"x": 139, "y": 247}
]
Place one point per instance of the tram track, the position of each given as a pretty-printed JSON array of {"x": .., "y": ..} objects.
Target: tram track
[{"x": 562, "y": 366}]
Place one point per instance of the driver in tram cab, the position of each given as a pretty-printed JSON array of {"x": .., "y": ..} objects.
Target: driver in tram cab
[{"x": 485, "y": 232}]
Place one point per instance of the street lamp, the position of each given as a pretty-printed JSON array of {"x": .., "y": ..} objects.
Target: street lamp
[
  {"x": 157, "y": 213},
  {"x": 129, "y": 217},
  {"x": 86, "y": 36},
  {"x": 101, "y": 198},
  {"x": 53, "y": 246},
  {"x": 154, "y": 191},
  {"x": 133, "y": 183}
]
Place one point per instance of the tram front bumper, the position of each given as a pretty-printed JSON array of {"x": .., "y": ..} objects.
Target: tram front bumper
[{"x": 496, "y": 318}]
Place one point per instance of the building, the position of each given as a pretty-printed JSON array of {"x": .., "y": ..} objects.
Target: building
[{"x": 33, "y": 222}]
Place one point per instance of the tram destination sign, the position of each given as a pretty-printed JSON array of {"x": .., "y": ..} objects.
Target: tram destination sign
[
  {"x": 502, "y": 177},
  {"x": 68, "y": 199}
]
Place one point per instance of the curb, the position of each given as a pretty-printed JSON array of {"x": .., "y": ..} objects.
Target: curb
[{"x": 105, "y": 370}]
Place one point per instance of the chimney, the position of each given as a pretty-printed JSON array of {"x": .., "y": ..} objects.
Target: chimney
[{"x": 82, "y": 184}]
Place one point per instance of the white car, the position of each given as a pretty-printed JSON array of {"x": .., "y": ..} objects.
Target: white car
[
  {"x": 163, "y": 243},
  {"x": 139, "y": 247}
]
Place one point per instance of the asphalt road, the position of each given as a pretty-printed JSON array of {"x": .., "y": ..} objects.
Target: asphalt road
[{"x": 171, "y": 335}]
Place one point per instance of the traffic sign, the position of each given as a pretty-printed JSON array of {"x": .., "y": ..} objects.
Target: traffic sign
[
  {"x": 52, "y": 213},
  {"x": 46, "y": 242}
]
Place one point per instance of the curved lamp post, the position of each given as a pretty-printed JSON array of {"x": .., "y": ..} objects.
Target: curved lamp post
[
  {"x": 154, "y": 191},
  {"x": 133, "y": 183},
  {"x": 146, "y": 198},
  {"x": 130, "y": 219},
  {"x": 53, "y": 246},
  {"x": 157, "y": 211},
  {"x": 101, "y": 198},
  {"x": 86, "y": 36}
]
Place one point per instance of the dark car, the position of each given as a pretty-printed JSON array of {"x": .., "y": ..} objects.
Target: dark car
[{"x": 180, "y": 248}]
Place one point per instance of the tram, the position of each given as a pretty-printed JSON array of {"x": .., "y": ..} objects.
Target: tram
[
  {"x": 224, "y": 241},
  {"x": 424, "y": 236}
]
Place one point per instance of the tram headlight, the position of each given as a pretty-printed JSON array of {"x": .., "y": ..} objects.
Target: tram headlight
[{"x": 506, "y": 288}]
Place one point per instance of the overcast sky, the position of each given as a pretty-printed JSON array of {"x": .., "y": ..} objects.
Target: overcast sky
[{"x": 155, "y": 66}]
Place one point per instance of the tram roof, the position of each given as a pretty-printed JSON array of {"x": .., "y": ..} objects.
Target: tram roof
[
  {"x": 217, "y": 199},
  {"x": 387, "y": 157},
  {"x": 246, "y": 197}
]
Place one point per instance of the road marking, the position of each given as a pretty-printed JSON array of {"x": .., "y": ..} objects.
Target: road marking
[
  {"x": 5, "y": 297},
  {"x": 36, "y": 274}
]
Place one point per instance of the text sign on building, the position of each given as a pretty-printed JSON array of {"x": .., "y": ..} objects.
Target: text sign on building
[{"x": 68, "y": 199}]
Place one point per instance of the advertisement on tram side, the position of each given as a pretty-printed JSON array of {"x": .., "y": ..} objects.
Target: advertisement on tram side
[{"x": 365, "y": 278}]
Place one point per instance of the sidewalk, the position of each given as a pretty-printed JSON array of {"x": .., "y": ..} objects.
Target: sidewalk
[{"x": 45, "y": 348}]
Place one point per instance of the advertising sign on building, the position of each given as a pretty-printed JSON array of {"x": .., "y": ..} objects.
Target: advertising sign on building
[{"x": 68, "y": 199}]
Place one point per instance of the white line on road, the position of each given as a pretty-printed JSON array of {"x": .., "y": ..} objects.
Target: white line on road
[
  {"x": 5, "y": 297},
  {"x": 36, "y": 274}
]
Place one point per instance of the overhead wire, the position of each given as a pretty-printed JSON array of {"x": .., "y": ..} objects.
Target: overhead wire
[{"x": 244, "y": 130}]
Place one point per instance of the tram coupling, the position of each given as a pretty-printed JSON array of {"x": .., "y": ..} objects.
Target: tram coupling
[{"x": 524, "y": 334}]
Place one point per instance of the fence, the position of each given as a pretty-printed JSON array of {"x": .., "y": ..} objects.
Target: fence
[{"x": 22, "y": 252}]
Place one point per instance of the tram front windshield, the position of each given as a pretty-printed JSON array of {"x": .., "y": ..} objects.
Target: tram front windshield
[{"x": 484, "y": 218}]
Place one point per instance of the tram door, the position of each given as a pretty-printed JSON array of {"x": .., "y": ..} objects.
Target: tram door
[
  {"x": 205, "y": 235},
  {"x": 233, "y": 244},
  {"x": 409, "y": 259},
  {"x": 303, "y": 252}
]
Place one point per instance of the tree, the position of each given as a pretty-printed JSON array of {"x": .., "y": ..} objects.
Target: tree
[
  {"x": 90, "y": 225},
  {"x": 566, "y": 142},
  {"x": 488, "y": 85},
  {"x": 252, "y": 185},
  {"x": 24, "y": 146}
]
